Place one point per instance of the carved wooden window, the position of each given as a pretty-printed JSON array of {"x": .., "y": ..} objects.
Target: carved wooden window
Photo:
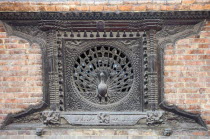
[{"x": 104, "y": 68}]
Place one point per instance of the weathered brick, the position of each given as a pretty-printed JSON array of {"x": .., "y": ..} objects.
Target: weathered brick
[
  {"x": 97, "y": 8},
  {"x": 182, "y": 7},
  {"x": 204, "y": 46},
  {"x": 124, "y": 7},
  {"x": 206, "y": 7},
  {"x": 110, "y": 8},
  {"x": 140, "y": 8},
  {"x": 62, "y": 7},
  {"x": 188, "y": 1},
  {"x": 196, "y": 7},
  {"x": 155, "y": 7},
  {"x": 46, "y": 8},
  {"x": 204, "y": 57},
  {"x": 200, "y": 40},
  {"x": 167, "y": 7}
]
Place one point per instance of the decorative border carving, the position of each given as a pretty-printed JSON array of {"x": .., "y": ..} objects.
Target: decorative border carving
[{"x": 182, "y": 15}]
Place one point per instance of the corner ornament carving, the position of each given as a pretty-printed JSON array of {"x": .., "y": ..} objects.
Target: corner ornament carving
[
  {"x": 30, "y": 33},
  {"x": 51, "y": 118},
  {"x": 171, "y": 34}
]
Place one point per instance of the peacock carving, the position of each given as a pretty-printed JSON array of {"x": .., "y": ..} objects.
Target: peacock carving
[
  {"x": 103, "y": 75},
  {"x": 102, "y": 88}
]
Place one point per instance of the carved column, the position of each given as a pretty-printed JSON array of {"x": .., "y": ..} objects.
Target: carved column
[
  {"x": 52, "y": 70},
  {"x": 152, "y": 71}
]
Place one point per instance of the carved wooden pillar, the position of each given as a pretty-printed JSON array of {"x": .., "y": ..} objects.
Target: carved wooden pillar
[
  {"x": 152, "y": 71},
  {"x": 52, "y": 70}
]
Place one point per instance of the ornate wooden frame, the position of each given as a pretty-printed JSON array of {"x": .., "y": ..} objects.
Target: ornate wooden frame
[{"x": 157, "y": 29}]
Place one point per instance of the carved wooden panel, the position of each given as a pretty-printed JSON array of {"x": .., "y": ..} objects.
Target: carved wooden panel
[{"x": 103, "y": 68}]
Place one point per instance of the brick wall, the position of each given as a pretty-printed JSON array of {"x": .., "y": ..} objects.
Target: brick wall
[
  {"x": 103, "y": 5},
  {"x": 187, "y": 73},
  {"x": 20, "y": 74},
  {"x": 187, "y": 64}
]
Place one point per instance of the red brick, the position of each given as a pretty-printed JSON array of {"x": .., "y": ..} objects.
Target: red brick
[
  {"x": 194, "y": 96},
  {"x": 207, "y": 106},
  {"x": 22, "y": 106},
  {"x": 153, "y": 7},
  {"x": 193, "y": 107},
  {"x": 61, "y": 8},
  {"x": 140, "y": 8},
  {"x": 205, "y": 68},
  {"x": 82, "y": 8},
  {"x": 110, "y": 8},
  {"x": 170, "y": 79},
  {"x": 183, "y": 46},
  {"x": 71, "y": 3},
  {"x": 196, "y": 7},
  {"x": 13, "y": 101},
  {"x": 2, "y": 46},
  {"x": 170, "y": 90},
  {"x": 170, "y": 57},
  {"x": 187, "y": 79},
  {"x": 188, "y": 1},
  {"x": 195, "y": 62},
  {"x": 17, "y": 51},
  {"x": 206, "y": 7},
  {"x": 195, "y": 52},
  {"x": 124, "y": 7},
  {"x": 183, "y": 41},
  {"x": 200, "y": 40},
  {"x": 204, "y": 45},
  {"x": 36, "y": 95},
  {"x": 167, "y": 7},
  {"x": 188, "y": 57},
  {"x": 203, "y": 56},
  {"x": 46, "y": 8},
  {"x": 21, "y": 95},
  {"x": 184, "y": 7},
  {"x": 3, "y": 35},
  {"x": 207, "y": 51},
  {"x": 2, "y": 29},
  {"x": 97, "y": 8},
  {"x": 199, "y": 133},
  {"x": 72, "y": 8},
  {"x": 174, "y": 63},
  {"x": 12, "y": 46},
  {"x": 13, "y": 79}
]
